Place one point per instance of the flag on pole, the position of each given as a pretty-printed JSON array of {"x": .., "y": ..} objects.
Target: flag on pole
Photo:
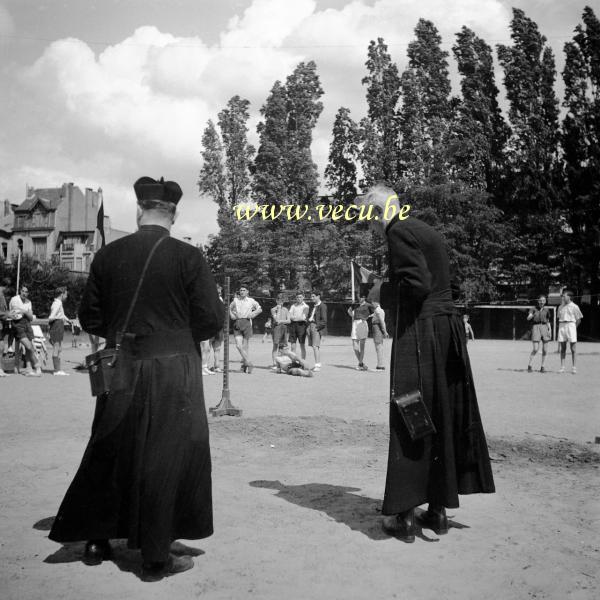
[
  {"x": 100, "y": 222},
  {"x": 363, "y": 279}
]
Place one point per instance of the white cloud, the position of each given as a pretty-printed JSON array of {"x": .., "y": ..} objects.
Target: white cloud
[{"x": 140, "y": 106}]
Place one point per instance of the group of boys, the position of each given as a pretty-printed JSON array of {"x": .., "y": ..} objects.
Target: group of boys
[
  {"x": 289, "y": 326},
  {"x": 16, "y": 325}
]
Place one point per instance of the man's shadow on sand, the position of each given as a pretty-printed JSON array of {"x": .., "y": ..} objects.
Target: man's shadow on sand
[
  {"x": 126, "y": 559},
  {"x": 360, "y": 513}
]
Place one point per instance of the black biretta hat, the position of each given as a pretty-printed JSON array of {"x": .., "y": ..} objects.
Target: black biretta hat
[{"x": 147, "y": 188}]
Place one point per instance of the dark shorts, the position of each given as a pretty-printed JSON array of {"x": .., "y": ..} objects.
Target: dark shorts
[
  {"x": 22, "y": 329},
  {"x": 217, "y": 339},
  {"x": 5, "y": 328},
  {"x": 297, "y": 331},
  {"x": 242, "y": 327},
  {"x": 280, "y": 335},
  {"x": 57, "y": 331}
]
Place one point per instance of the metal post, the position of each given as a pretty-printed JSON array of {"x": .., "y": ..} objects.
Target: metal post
[{"x": 225, "y": 407}]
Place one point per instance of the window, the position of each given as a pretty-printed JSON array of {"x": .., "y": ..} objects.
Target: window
[{"x": 39, "y": 247}]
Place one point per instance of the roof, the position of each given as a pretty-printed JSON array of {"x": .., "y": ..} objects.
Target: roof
[{"x": 49, "y": 198}]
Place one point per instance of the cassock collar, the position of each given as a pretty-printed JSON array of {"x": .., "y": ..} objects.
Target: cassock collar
[{"x": 154, "y": 228}]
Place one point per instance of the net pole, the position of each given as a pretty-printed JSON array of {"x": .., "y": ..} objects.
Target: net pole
[{"x": 225, "y": 407}]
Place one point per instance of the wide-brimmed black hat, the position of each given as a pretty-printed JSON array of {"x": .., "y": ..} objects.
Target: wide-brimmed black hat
[{"x": 147, "y": 188}]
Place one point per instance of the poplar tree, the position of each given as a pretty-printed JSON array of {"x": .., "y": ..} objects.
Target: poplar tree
[
  {"x": 581, "y": 145},
  {"x": 225, "y": 178},
  {"x": 284, "y": 172},
  {"x": 479, "y": 133},
  {"x": 426, "y": 112},
  {"x": 532, "y": 177},
  {"x": 381, "y": 162}
]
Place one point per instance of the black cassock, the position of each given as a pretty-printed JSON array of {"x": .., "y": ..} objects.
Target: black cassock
[
  {"x": 146, "y": 472},
  {"x": 455, "y": 460}
]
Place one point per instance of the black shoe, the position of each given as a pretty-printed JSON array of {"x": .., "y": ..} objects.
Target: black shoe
[
  {"x": 401, "y": 526},
  {"x": 96, "y": 551},
  {"x": 155, "y": 571},
  {"x": 529, "y": 369},
  {"x": 435, "y": 519}
]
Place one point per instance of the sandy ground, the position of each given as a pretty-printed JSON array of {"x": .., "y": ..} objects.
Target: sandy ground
[{"x": 298, "y": 484}]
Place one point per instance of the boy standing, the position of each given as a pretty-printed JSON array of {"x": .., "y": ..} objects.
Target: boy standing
[
  {"x": 56, "y": 321},
  {"x": 280, "y": 319},
  {"x": 569, "y": 318}
]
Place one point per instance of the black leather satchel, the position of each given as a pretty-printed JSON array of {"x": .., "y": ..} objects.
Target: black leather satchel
[
  {"x": 101, "y": 364},
  {"x": 414, "y": 414},
  {"x": 411, "y": 406}
]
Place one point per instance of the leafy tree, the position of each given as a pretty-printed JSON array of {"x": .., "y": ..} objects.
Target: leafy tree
[
  {"x": 426, "y": 113},
  {"x": 480, "y": 133},
  {"x": 473, "y": 230},
  {"x": 581, "y": 145},
  {"x": 532, "y": 183},
  {"x": 238, "y": 153},
  {"x": 225, "y": 177},
  {"x": 383, "y": 94},
  {"x": 284, "y": 172}
]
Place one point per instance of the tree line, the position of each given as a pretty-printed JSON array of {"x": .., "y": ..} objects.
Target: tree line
[{"x": 516, "y": 193}]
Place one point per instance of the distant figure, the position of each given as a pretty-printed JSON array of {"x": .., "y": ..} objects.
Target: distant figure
[
  {"x": 217, "y": 341},
  {"x": 298, "y": 324},
  {"x": 291, "y": 364},
  {"x": 469, "y": 333},
  {"x": 21, "y": 313},
  {"x": 4, "y": 321},
  {"x": 56, "y": 322},
  {"x": 569, "y": 318},
  {"x": 317, "y": 326},
  {"x": 242, "y": 310},
  {"x": 360, "y": 330},
  {"x": 280, "y": 318},
  {"x": 379, "y": 333},
  {"x": 540, "y": 331},
  {"x": 268, "y": 330}
]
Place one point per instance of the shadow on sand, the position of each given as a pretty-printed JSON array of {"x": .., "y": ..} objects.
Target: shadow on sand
[
  {"x": 126, "y": 559},
  {"x": 359, "y": 513}
]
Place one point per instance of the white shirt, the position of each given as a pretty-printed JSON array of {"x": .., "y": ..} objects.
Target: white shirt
[
  {"x": 298, "y": 312},
  {"x": 57, "y": 312},
  {"x": 243, "y": 308},
  {"x": 569, "y": 313},
  {"x": 20, "y": 307}
]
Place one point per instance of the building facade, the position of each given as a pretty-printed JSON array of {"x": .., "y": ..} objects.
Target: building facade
[{"x": 59, "y": 225}]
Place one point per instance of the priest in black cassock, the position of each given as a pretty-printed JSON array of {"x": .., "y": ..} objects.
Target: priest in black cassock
[
  {"x": 429, "y": 353},
  {"x": 146, "y": 472}
]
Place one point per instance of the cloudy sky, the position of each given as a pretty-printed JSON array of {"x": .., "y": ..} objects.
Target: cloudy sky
[{"x": 100, "y": 92}]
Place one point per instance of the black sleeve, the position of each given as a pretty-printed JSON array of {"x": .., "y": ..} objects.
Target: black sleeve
[
  {"x": 408, "y": 266},
  {"x": 90, "y": 311},
  {"x": 207, "y": 312}
]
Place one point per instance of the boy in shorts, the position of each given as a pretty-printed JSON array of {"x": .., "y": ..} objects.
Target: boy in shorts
[
  {"x": 540, "y": 331},
  {"x": 242, "y": 310},
  {"x": 290, "y": 364},
  {"x": 569, "y": 318},
  {"x": 280, "y": 319},
  {"x": 56, "y": 321}
]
